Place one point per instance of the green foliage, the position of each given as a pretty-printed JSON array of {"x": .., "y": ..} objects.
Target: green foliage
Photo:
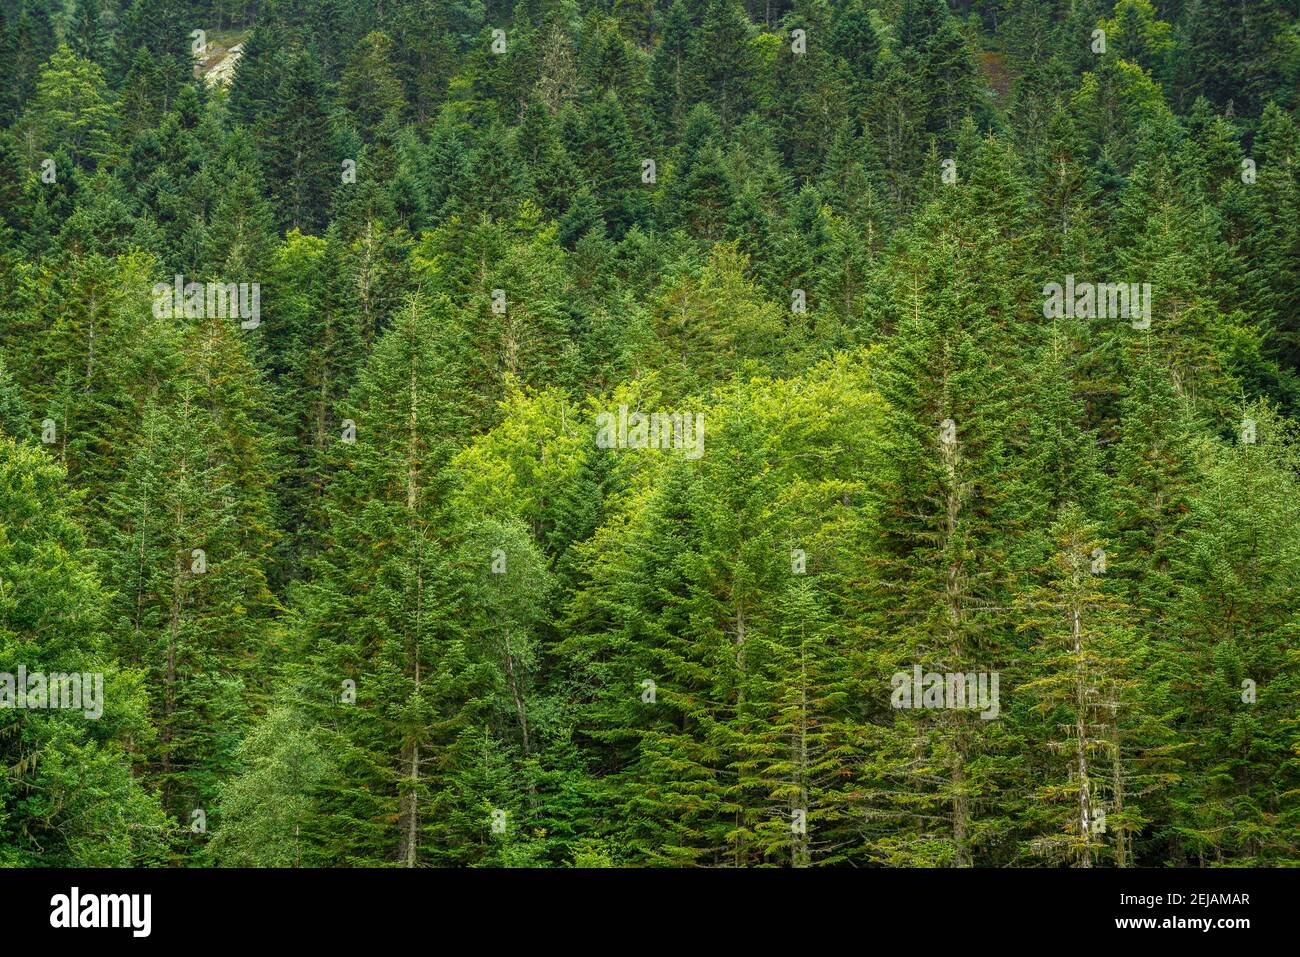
[
  {"x": 373, "y": 581},
  {"x": 68, "y": 797},
  {"x": 72, "y": 110}
]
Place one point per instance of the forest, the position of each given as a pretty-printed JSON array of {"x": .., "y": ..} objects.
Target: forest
[{"x": 649, "y": 433}]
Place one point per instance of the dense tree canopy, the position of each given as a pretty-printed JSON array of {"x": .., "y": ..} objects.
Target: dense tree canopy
[{"x": 692, "y": 433}]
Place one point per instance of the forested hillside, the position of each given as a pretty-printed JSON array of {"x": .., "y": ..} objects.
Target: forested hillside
[{"x": 650, "y": 432}]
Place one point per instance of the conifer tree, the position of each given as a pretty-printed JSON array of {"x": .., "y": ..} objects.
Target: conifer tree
[
  {"x": 186, "y": 535},
  {"x": 73, "y": 110},
  {"x": 68, "y": 797},
  {"x": 668, "y": 75},
  {"x": 387, "y": 675},
  {"x": 1086, "y": 680},
  {"x": 947, "y": 517},
  {"x": 1225, "y": 646},
  {"x": 300, "y": 161},
  {"x": 721, "y": 62}
]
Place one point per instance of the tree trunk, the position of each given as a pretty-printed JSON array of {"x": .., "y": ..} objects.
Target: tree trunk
[
  {"x": 799, "y": 851},
  {"x": 1081, "y": 738},
  {"x": 953, "y": 594},
  {"x": 410, "y": 812}
]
